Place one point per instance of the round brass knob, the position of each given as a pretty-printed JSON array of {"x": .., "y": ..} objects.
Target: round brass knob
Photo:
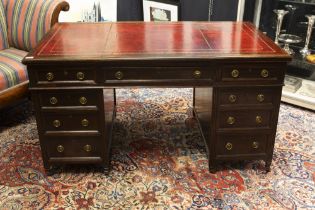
[
  {"x": 53, "y": 100},
  {"x": 235, "y": 73},
  {"x": 264, "y": 73},
  {"x": 197, "y": 74},
  {"x": 258, "y": 119},
  {"x": 85, "y": 123},
  {"x": 83, "y": 100},
  {"x": 49, "y": 76},
  {"x": 229, "y": 146},
  {"x": 56, "y": 123},
  {"x": 119, "y": 75},
  {"x": 87, "y": 148},
  {"x": 60, "y": 148},
  {"x": 230, "y": 120},
  {"x": 80, "y": 76},
  {"x": 232, "y": 98},
  {"x": 260, "y": 97},
  {"x": 255, "y": 145}
]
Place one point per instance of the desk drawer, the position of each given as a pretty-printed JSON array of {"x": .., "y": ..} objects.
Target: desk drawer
[
  {"x": 68, "y": 98},
  {"x": 242, "y": 96},
  {"x": 241, "y": 144},
  {"x": 244, "y": 118},
  {"x": 158, "y": 73},
  {"x": 70, "y": 122},
  {"x": 262, "y": 74},
  {"x": 73, "y": 147},
  {"x": 71, "y": 76}
]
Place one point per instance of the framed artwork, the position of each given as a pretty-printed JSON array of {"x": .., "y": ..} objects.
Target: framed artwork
[
  {"x": 160, "y": 10},
  {"x": 90, "y": 11}
]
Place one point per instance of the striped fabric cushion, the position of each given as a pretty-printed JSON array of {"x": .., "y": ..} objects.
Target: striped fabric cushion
[
  {"x": 12, "y": 71},
  {"x": 5, "y": 3},
  {"x": 3, "y": 28},
  {"x": 28, "y": 21}
]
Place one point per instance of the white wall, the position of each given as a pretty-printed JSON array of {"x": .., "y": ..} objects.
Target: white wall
[{"x": 109, "y": 10}]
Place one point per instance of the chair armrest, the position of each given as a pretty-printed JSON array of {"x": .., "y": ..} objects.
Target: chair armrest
[
  {"x": 37, "y": 19},
  {"x": 62, "y": 6}
]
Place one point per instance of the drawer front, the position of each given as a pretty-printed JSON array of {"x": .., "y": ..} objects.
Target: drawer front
[
  {"x": 246, "y": 96},
  {"x": 158, "y": 73},
  {"x": 74, "y": 98},
  {"x": 234, "y": 74},
  {"x": 70, "y": 122},
  {"x": 241, "y": 144},
  {"x": 73, "y": 147},
  {"x": 72, "y": 76},
  {"x": 244, "y": 118}
]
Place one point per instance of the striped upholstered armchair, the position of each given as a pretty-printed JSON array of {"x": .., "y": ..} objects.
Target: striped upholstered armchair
[{"x": 22, "y": 25}]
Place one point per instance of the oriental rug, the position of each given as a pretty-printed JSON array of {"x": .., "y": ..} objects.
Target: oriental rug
[{"x": 158, "y": 162}]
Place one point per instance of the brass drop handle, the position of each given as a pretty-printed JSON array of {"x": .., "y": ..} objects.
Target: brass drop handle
[
  {"x": 56, "y": 123},
  {"x": 229, "y": 146},
  {"x": 197, "y": 74},
  {"x": 80, "y": 76},
  {"x": 85, "y": 123},
  {"x": 87, "y": 148},
  {"x": 232, "y": 98},
  {"x": 235, "y": 73},
  {"x": 255, "y": 145},
  {"x": 260, "y": 97},
  {"x": 230, "y": 120},
  {"x": 60, "y": 148},
  {"x": 258, "y": 119},
  {"x": 83, "y": 100},
  {"x": 50, "y": 76},
  {"x": 264, "y": 73},
  {"x": 119, "y": 75},
  {"x": 53, "y": 100}
]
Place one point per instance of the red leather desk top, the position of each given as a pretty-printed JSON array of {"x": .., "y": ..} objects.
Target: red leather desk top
[{"x": 140, "y": 40}]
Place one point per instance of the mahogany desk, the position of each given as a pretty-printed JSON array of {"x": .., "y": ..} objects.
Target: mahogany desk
[{"x": 236, "y": 72}]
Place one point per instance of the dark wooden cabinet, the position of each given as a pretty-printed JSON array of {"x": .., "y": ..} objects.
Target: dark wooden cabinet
[
  {"x": 74, "y": 125},
  {"x": 236, "y": 72}
]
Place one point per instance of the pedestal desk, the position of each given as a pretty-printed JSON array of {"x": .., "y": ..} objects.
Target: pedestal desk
[{"x": 237, "y": 74}]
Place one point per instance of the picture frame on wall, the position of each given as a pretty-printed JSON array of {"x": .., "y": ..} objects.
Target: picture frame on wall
[
  {"x": 161, "y": 10},
  {"x": 90, "y": 11}
]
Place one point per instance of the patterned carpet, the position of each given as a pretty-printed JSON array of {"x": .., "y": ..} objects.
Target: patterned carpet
[{"x": 159, "y": 162}]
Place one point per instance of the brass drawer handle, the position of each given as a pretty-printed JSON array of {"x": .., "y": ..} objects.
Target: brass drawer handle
[
  {"x": 87, "y": 148},
  {"x": 85, "y": 123},
  {"x": 264, "y": 73},
  {"x": 50, "y": 76},
  {"x": 255, "y": 145},
  {"x": 197, "y": 74},
  {"x": 230, "y": 120},
  {"x": 60, "y": 148},
  {"x": 119, "y": 75},
  {"x": 56, "y": 123},
  {"x": 235, "y": 73},
  {"x": 260, "y": 97},
  {"x": 80, "y": 76},
  {"x": 258, "y": 119},
  {"x": 53, "y": 100},
  {"x": 83, "y": 100},
  {"x": 232, "y": 98},
  {"x": 229, "y": 146}
]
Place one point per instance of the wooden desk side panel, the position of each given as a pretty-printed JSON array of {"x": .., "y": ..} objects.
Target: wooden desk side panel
[{"x": 204, "y": 100}]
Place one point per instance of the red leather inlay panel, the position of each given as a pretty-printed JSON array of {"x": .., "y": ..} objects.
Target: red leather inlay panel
[{"x": 140, "y": 39}]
